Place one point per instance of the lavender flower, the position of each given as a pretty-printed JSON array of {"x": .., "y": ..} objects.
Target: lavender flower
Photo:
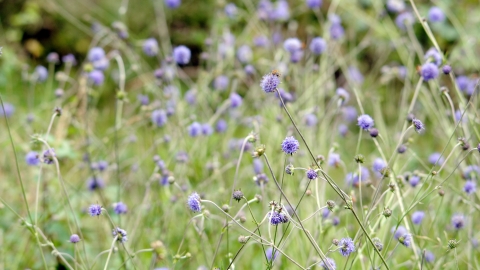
[
  {"x": 462, "y": 82},
  {"x": 314, "y": 3},
  {"x": 349, "y": 113},
  {"x": 395, "y": 6},
  {"x": 191, "y": 96},
  {"x": 355, "y": 179},
  {"x": 120, "y": 208},
  {"x": 458, "y": 221},
  {"x": 355, "y": 74},
  {"x": 270, "y": 82},
  {"x": 159, "y": 118},
  {"x": 94, "y": 183},
  {"x": 221, "y": 126},
  {"x": 418, "y": 125},
  {"x": 328, "y": 264},
  {"x": 257, "y": 165},
  {"x": 311, "y": 119},
  {"x": 343, "y": 130},
  {"x": 311, "y": 174},
  {"x": 343, "y": 95},
  {"x": 122, "y": 235},
  {"x": 95, "y": 54},
  {"x": 244, "y": 54},
  {"x": 9, "y": 109},
  {"x": 194, "y": 202},
  {"x": 429, "y": 71},
  {"x": 32, "y": 158},
  {"x": 429, "y": 256},
  {"x": 470, "y": 187},
  {"x": 365, "y": 121},
  {"x": 260, "y": 179},
  {"x": 221, "y": 83},
  {"x": 435, "y": 14},
  {"x": 433, "y": 54},
  {"x": 207, "y": 129},
  {"x": 150, "y": 47},
  {"x": 261, "y": 41},
  {"x": 41, "y": 73},
  {"x": 269, "y": 254},
  {"x": 399, "y": 232},
  {"x": 334, "y": 160},
  {"x": 379, "y": 165},
  {"x": 172, "y": 4},
  {"x": 53, "y": 58},
  {"x": 436, "y": 158},
  {"x": 292, "y": 45},
  {"x": 249, "y": 70},
  {"x": 336, "y": 31},
  {"x": 74, "y": 238},
  {"x": 446, "y": 69},
  {"x": 404, "y": 19},
  {"x": 290, "y": 145},
  {"x": 347, "y": 246},
  {"x": 231, "y": 10},
  {"x": 414, "y": 180},
  {"x": 96, "y": 77},
  {"x": 277, "y": 218},
  {"x": 281, "y": 12},
  {"x": 95, "y": 210},
  {"x": 405, "y": 239},
  {"x": 417, "y": 217},
  {"x": 69, "y": 59},
  {"x": 48, "y": 156},
  {"x": 181, "y": 54},
  {"x": 235, "y": 100},
  {"x": 195, "y": 129},
  {"x": 318, "y": 45}
]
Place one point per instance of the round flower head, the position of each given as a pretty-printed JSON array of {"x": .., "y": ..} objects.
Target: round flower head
[
  {"x": 48, "y": 156},
  {"x": 102, "y": 165},
  {"x": 378, "y": 165},
  {"x": 405, "y": 239},
  {"x": 9, "y": 109},
  {"x": 347, "y": 246},
  {"x": 337, "y": 31},
  {"x": 343, "y": 95},
  {"x": 195, "y": 129},
  {"x": 395, "y": 6},
  {"x": 470, "y": 187},
  {"x": 311, "y": 120},
  {"x": 435, "y": 14},
  {"x": 418, "y": 125},
  {"x": 95, "y": 210},
  {"x": 95, "y": 183},
  {"x": 399, "y": 232},
  {"x": 270, "y": 82},
  {"x": 417, "y": 217},
  {"x": 257, "y": 165},
  {"x": 404, "y": 19},
  {"x": 221, "y": 83},
  {"x": 95, "y": 54},
  {"x": 343, "y": 130},
  {"x": 244, "y": 54},
  {"x": 314, "y": 3},
  {"x": 311, "y": 174},
  {"x": 434, "y": 55},
  {"x": 328, "y": 264},
  {"x": 41, "y": 73},
  {"x": 69, "y": 59},
  {"x": 181, "y": 55},
  {"x": 53, "y": 58},
  {"x": 429, "y": 256},
  {"x": 249, "y": 69},
  {"x": 32, "y": 158},
  {"x": 318, "y": 45},
  {"x": 261, "y": 41},
  {"x": 96, "y": 77},
  {"x": 365, "y": 121},
  {"x": 436, "y": 158},
  {"x": 334, "y": 160},
  {"x": 101, "y": 64},
  {"x": 231, "y": 10},
  {"x": 462, "y": 82},
  {"x": 121, "y": 234},
  {"x": 150, "y": 47},
  {"x": 414, "y": 180},
  {"x": 221, "y": 126},
  {"x": 429, "y": 71},
  {"x": 281, "y": 12},
  {"x": 207, "y": 130},
  {"x": 277, "y": 218},
  {"x": 172, "y": 4},
  {"x": 296, "y": 56},
  {"x": 191, "y": 96},
  {"x": 260, "y": 179},
  {"x": 290, "y": 145},
  {"x": 446, "y": 69},
  {"x": 349, "y": 113},
  {"x": 159, "y": 118},
  {"x": 269, "y": 252},
  {"x": 355, "y": 74},
  {"x": 292, "y": 45},
  {"x": 194, "y": 202},
  {"x": 120, "y": 208},
  {"x": 74, "y": 238}
]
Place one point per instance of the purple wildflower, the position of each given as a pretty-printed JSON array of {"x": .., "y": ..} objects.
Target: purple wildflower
[
  {"x": 172, "y": 4},
  {"x": 195, "y": 129},
  {"x": 41, "y": 73},
  {"x": 96, "y": 77},
  {"x": 347, "y": 246},
  {"x": 314, "y": 3},
  {"x": 159, "y": 118},
  {"x": 244, "y": 54},
  {"x": 270, "y": 82},
  {"x": 194, "y": 202},
  {"x": 150, "y": 47},
  {"x": 120, "y": 208},
  {"x": 32, "y": 158},
  {"x": 311, "y": 174},
  {"x": 9, "y": 109},
  {"x": 311, "y": 120},
  {"x": 458, "y": 221},
  {"x": 417, "y": 217},
  {"x": 94, "y": 183},
  {"x": 365, "y": 121},
  {"x": 435, "y": 14},
  {"x": 290, "y": 145},
  {"x": 95, "y": 210},
  {"x": 121, "y": 234},
  {"x": 48, "y": 156},
  {"x": 181, "y": 55},
  {"x": 74, "y": 238},
  {"x": 328, "y": 264},
  {"x": 470, "y": 187},
  {"x": 269, "y": 252},
  {"x": 318, "y": 45},
  {"x": 429, "y": 71},
  {"x": 235, "y": 100},
  {"x": 404, "y": 19},
  {"x": 221, "y": 126},
  {"x": 334, "y": 160},
  {"x": 221, "y": 83},
  {"x": 231, "y": 10},
  {"x": 95, "y": 54},
  {"x": 418, "y": 125},
  {"x": 414, "y": 180},
  {"x": 436, "y": 158}
]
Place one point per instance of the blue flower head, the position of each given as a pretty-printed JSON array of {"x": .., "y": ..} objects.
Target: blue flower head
[
  {"x": 290, "y": 145},
  {"x": 194, "y": 202},
  {"x": 150, "y": 47},
  {"x": 159, "y": 118},
  {"x": 235, "y": 100},
  {"x": 195, "y": 129},
  {"x": 292, "y": 45},
  {"x": 435, "y": 14},
  {"x": 270, "y": 82},
  {"x": 404, "y": 19},
  {"x": 417, "y": 217},
  {"x": 429, "y": 71},
  {"x": 120, "y": 208},
  {"x": 74, "y": 238},
  {"x": 95, "y": 210},
  {"x": 181, "y": 54},
  {"x": 328, "y": 264},
  {"x": 470, "y": 187},
  {"x": 311, "y": 174},
  {"x": 346, "y": 246},
  {"x": 418, "y": 125},
  {"x": 41, "y": 73},
  {"x": 314, "y": 3},
  {"x": 318, "y": 45},
  {"x": 365, "y": 122},
  {"x": 32, "y": 158},
  {"x": 221, "y": 83},
  {"x": 121, "y": 234},
  {"x": 173, "y": 4},
  {"x": 458, "y": 221},
  {"x": 95, "y": 54}
]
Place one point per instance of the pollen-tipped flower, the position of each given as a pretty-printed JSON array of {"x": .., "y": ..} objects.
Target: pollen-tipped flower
[
  {"x": 328, "y": 264},
  {"x": 95, "y": 210},
  {"x": 365, "y": 121},
  {"x": 120, "y": 208},
  {"x": 470, "y": 187},
  {"x": 435, "y": 14},
  {"x": 270, "y": 82},
  {"x": 150, "y": 47},
  {"x": 458, "y": 221},
  {"x": 181, "y": 55},
  {"x": 194, "y": 202},
  {"x": 318, "y": 45},
  {"x": 418, "y": 125},
  {"x": 417, "y": 217},
  {"x": 120, "y": 234},
  {"x": 290, "y": 145},
  {"x": 74, "y": 238},
  {"x": 311, "y": 174},
  {"x": 429, "y": 71},
  {"x": 346, "y": 246}
]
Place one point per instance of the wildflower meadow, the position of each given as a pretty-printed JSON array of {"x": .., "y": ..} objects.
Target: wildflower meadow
[{"x": 248, "y": 134}]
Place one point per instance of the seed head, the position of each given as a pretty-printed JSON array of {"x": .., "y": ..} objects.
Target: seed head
[{"x": 237, "y": 195}]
